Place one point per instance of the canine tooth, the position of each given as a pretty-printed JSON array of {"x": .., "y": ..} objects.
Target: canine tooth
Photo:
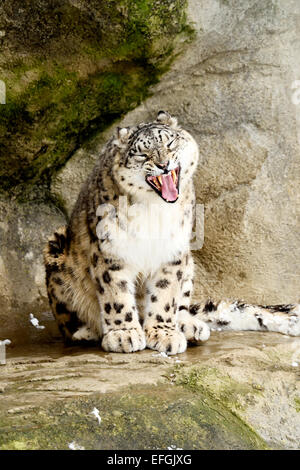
[
  {"x": 173, "y": 175},
  {"x": 159, "y": 179},
  {"x": 155, "y": 182}
]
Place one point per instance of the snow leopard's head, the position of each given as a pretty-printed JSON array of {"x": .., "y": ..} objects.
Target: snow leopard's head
[{"x": 158, "y": 158}]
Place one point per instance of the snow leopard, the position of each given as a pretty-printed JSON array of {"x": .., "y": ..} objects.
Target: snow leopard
[{"x": 121, "y": 271}]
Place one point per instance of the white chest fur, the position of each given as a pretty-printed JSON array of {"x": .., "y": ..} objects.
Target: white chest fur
[{"x": 150, "y": 235}]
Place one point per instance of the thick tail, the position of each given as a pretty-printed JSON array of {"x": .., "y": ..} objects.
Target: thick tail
[{"x": 239, "y": 316}]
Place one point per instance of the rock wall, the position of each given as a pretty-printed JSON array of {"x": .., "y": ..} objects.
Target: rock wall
[
  {"x": 234, "y": 88},
  {"x": 70, "y": 68}
]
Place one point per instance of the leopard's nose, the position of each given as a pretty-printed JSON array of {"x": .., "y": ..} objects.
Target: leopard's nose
[{"x": 163, "y": 166}]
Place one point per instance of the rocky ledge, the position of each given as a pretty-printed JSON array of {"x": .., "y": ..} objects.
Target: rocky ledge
[{"x": 237, "y": 391}]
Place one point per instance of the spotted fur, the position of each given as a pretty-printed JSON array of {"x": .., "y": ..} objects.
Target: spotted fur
[
  {"x": 238, "y": 316},
  {"x": 94, "y": 271}
]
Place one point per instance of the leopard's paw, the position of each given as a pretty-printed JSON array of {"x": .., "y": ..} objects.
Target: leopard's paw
[
  {"x": 169, "y": 341},
  {"x": 193, "y": 329},
  {"x": 84, "y": 333},
  {"x": 124, "y": 341}
]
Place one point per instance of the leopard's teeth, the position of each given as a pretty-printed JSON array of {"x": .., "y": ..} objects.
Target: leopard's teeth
[
  {"x": 156, "y": 182},
  {"x": 174, "y": 175},
  {"x": 159, "y": 179}
]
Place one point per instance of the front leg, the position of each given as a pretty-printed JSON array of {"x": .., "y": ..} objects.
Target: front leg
[
  {"x": 193, "y": 328},
  {"x": 121, "y": 328},
  {"x": 164, "y": 292},
  {"x": 168, "y": 323}
]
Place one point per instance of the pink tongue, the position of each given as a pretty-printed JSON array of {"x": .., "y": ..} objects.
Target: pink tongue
[{"x": 168, "y": 189}]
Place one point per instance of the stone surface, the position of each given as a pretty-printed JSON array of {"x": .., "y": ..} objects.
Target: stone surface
[{"x": 238, "y": 391}]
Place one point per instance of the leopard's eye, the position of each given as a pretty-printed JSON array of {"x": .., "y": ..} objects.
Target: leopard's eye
[
  {"x": 172, "y": 144},
  {"x": 141, "y": 157}
]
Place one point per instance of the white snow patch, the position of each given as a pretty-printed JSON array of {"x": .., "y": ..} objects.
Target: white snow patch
[
  {"x": 35, "y": 322},
  {"x": 161, "y": 354},
  {"x": 29, "y": 256},
  {"x": 173, "y": 447},
  {"x": 95, "y": 412},
  {"x": 74, "y": 446},
  {"x": 295, "y": 364},
  {"x": 177, "y": 360},
  {"x": 5, "y": 342}
]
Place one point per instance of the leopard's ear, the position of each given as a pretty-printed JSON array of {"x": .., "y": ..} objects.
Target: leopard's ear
[
  {"x": 165, "y": 118},
  {"x": 122, "y": 135}
]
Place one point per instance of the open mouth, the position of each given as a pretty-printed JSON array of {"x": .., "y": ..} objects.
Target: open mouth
[{"x": 166, "y": 185}]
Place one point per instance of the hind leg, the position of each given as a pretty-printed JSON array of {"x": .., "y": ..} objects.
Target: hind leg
[
  {"x": 85, "y": 333},
  {"x": 71, "y": 294},
  {"x": 66, "y": 317}
]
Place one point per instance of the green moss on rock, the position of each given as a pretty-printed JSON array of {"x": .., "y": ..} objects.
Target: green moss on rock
[
  {"x": 74, "y": 71},
  {"x": 155, "y": 417},
  {"x": 223, "y": 388}
]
